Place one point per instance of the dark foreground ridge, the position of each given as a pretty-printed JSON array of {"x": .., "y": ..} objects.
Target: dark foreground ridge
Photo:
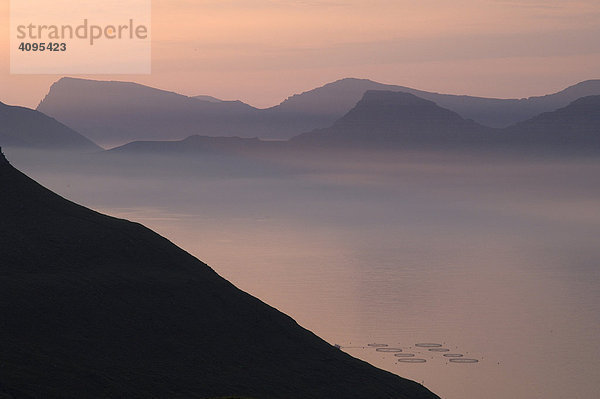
[{"x": 92, "y": 306}]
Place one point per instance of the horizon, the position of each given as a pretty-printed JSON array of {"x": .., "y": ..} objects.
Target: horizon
[{"x": 260, "y": 52}]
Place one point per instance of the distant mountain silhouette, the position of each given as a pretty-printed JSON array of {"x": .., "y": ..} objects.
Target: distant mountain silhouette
[
  {"x": 386, "y": 118},
  {"x": 113, "y": 113},
  {"x": 92, "y": 306},
  {"x": 193, "y": 144},
  {"x": 208, "y": 98},
  {"x": 326, "y": 104},
  {"x": 576, "y": 125},
  {"x": 24, "y": 127},
  {"x": 396, "y": 120}
]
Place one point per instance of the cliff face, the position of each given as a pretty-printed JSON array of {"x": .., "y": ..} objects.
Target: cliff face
[{"x": 93, "y": 306}]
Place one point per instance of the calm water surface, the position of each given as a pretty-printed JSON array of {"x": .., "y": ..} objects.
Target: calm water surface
[{"x": 497, "y": 260}]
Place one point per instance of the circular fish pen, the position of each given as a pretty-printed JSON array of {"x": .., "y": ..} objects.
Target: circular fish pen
[
  {"x": 388, "y": 350},
  {"x": 412, "y": 360},
  {"x": 428, "y": 345},
  {"x": 404, "y": 355},
  {"x": 464, "y": 360}
]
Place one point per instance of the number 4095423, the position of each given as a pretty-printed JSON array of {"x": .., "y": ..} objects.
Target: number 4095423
[{"x": 43, "y": 46}]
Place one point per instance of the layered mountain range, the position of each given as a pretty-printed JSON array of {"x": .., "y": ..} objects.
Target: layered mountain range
[
  {"x": 386, "y": 118},
  {"x": 577, "y": 124},
  {"x": 113, "y": 113},
  {"x": 380, "y": 118},
  {"x": 397, "y": 120}
]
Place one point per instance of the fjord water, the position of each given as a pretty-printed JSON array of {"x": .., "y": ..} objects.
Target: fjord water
[{"x": 496, "y": 258}]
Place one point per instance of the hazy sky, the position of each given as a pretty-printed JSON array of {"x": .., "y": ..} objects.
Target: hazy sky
[{"x": 261, "y": 51}]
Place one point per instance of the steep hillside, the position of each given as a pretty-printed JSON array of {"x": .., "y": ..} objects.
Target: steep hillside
[{"x": 95, "y": 307}]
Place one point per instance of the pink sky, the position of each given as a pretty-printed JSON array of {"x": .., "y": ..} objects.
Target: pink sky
[{"x": 261, "y": 51}]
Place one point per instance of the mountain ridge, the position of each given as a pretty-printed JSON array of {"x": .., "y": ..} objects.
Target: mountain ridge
[
  {"x": 575, "y": 125},
  {"x": 114, "y": 113},
  {"x": 396, "y": 120},
  {"x": 24, "y": 127},
  {"x": 389, "y": 118},
  {"x": 111, "y": 112},
  {"x": 335, "y": 97}
]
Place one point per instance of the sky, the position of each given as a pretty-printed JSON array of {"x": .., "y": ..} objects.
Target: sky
[{"x": 262, "y": 51}]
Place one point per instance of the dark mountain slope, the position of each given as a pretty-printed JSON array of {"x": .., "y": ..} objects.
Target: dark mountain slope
[
  {"x": 92, "y": 306},
  {"x": 23, "y": 127},
  {"x": 386, "y": 118}
]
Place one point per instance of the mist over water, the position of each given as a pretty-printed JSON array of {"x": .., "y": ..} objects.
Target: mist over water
[{"x": 492, "y": 257}]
